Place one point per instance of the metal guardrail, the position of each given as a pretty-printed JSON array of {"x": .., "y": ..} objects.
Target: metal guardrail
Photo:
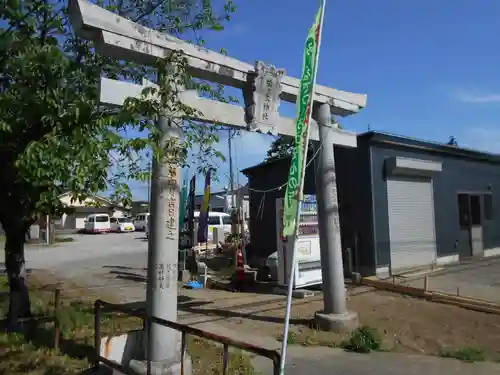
[{"x": 185, "y": 330}]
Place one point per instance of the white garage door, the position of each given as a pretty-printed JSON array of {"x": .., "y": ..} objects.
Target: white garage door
[
  {"x": 80, "y": 220},
  {"x": 411, "y": 222}
]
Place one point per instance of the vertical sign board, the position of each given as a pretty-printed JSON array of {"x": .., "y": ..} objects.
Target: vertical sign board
[
  {"x": 305, "y": 243},
  {"x": 262, "y": 103}
]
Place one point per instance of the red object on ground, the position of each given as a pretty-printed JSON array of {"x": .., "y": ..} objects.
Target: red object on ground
[{"x": 240, "y": 265}]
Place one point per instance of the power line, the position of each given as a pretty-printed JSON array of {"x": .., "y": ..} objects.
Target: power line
[
  {"x": 316, "y": 153},
  {"x": 279, "y": 187}
]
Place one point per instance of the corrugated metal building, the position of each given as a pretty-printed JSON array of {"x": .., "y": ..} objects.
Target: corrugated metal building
[{"x": 403, "y": 203}]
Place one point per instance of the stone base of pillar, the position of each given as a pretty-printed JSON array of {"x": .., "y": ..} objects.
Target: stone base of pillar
[
  {"x": 336, "y": 322},
  {"x": 166, "y": 367}
]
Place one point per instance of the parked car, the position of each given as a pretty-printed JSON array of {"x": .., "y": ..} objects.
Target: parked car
[
  {"x": 97, "y": 223},
  {"x": 141, "y": 220},
  {"x": 122, "y": 224},
  {"x": 216, "y": 220}
]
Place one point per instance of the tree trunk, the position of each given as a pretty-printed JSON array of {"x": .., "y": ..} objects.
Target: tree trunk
[{"x": 19, "y": 301}]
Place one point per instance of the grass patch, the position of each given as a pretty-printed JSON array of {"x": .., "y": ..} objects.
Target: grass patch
[
  {"x": 467, "y": 354},
  {"x": 310, "y": 337},
  {"x": 207, "y": 359},
  {"x": 32, "y": 353},
  {"x": 363, "y": 340}
]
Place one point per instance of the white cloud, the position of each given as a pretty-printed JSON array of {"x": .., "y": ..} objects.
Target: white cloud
[{"x": 467, "y": 96}]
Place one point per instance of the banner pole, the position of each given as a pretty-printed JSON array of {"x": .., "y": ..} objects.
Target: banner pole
[{"x": 299, "y": 198}]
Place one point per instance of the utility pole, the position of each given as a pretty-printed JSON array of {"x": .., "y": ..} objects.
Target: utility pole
[
  {"x": 231, "y": 177},
  {"x": 149, "y": 182}
]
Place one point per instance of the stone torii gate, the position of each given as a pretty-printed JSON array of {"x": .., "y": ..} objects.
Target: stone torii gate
[{"x": 117, "y": 37}]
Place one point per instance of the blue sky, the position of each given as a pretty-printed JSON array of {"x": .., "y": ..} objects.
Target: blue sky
[{"x": 430, "y": 68}]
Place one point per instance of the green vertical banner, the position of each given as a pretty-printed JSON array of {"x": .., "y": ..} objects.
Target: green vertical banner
[
  {"x": 203, "y": 218},
  {"x": 304, "y": 108},
  {"x": 187, "y": 227},
  {"x": 182, "y": 204}
]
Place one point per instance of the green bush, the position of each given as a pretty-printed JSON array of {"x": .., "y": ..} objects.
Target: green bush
[
  {"x": 291, "y": 339},
  {"x": 467, "y": 354},
  {"x": 363, "y": 340}
]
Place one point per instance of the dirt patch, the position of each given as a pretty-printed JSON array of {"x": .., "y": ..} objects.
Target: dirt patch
[
  {"x": 407, "y": 324},
  {"x": 47, "y": 282}
]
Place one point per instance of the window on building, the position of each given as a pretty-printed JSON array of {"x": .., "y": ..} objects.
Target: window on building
[{"x": 488, "y": 207}]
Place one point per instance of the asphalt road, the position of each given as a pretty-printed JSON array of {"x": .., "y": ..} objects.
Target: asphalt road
[
  {"x": 114, "y": 261},
  {"x": 476, "y": 279},
  {"x": 84, "y": 249}
]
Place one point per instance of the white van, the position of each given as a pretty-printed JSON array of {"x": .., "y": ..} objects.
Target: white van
[
  {"x": 140, "y": 221},
  {"x": 97, "y": 223},
  {"x": 215, "y": 220}
]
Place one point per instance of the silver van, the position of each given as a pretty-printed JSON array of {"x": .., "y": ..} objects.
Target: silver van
[{"x": 140, "y": 221}]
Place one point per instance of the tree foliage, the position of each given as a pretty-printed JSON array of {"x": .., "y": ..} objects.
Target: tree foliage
[
  {"x": 281, "y": 147},
  {"x": 55, "y": 136}
]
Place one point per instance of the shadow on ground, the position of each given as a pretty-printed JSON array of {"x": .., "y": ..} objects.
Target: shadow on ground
[
  {"x": 129, "y": 276},
  {"x": 125, "y": 267},
  {"x": 226, "y": 313}
]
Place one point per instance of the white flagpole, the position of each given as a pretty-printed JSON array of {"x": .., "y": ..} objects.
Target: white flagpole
[{"x": 300, "y": 197}]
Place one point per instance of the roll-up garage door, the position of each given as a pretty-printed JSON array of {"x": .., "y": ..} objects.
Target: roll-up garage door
[
  {"x": 411, "y": 222},
  {"x": 80, "y": 220}
]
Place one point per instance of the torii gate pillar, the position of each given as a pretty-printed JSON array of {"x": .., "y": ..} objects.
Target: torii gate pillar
[{"x": 334, "y": 316}]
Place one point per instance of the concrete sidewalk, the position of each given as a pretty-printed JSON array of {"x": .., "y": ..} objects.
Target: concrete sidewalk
[
  {"x": 477, "y": 278},
  {"x": 321, "y": 360}
]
